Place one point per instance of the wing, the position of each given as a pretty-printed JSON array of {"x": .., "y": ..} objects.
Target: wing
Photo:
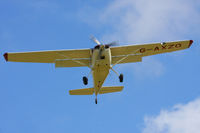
[
  {"x": 134, "y": 53},
  {"x": 80, "y": 55}
]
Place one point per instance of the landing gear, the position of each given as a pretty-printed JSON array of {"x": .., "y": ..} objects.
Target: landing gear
[
  {"x": 121, "y": 77},
  {"x": 85, "y": 80},
  {"x": 96, "y": 100}
]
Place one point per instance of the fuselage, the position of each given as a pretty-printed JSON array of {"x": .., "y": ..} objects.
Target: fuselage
[{"x": 101, "y": 64}]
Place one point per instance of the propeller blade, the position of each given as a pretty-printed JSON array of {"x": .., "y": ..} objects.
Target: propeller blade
[
  {"x": 113, "y": 44},
  {"x": 95, "y": 40}
]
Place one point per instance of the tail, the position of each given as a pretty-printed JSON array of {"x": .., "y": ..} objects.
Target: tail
[{"x": 90, "y": 91}]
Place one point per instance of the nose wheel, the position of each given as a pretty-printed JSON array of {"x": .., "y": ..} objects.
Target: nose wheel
[
  {"x": 85, "y": 80},
  {"x": 121, "y": 77}
]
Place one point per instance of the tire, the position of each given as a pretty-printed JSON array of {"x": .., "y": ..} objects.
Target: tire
[
  {"x": 121, "y": 77},
  {"x": 95, "y": 101},
  {"x": 85, "y": 80}
]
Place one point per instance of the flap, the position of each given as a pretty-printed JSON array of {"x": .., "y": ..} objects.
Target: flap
[
  {"x": 72, "y": 62},
  {"x": 129, "y": 59}
]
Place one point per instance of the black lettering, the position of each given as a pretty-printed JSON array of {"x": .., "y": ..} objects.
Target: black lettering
[
  {"x": 156, "y": 48},
  {"x": 178, "y": 45},
  {"x": 164, "y": 46},
  {"x": 142, "y": 50},
  {"x": 171, "y": 46}
]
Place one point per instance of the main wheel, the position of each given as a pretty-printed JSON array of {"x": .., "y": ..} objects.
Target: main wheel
[
  {"x": 121, "y": 77},
  {"x": 85, "y": 80},
  {"x": 96, "y": 100}
]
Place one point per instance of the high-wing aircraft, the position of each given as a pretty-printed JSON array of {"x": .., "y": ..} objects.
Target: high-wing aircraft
[{"x": 100, "y": 59}]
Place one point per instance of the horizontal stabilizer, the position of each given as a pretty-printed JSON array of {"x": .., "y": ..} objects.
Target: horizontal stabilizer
[
  {"x": 86, "y": 91},
  {"x": 110, "y": 89}
]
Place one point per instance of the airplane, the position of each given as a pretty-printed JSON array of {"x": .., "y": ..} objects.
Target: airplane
[{"x": 100, "y": 59}]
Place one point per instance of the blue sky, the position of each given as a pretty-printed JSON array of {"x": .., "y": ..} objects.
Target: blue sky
[{"x": 161, "y": 93}]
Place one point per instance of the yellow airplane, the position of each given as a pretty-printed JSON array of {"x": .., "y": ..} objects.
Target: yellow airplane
[{"x": 100, "y": 59}]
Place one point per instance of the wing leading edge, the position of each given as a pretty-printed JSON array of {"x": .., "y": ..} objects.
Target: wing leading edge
[{"x": 74, "y": 58}]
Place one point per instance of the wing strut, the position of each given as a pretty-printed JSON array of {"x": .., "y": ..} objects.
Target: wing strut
[
  {"x": 126, "y": 56},
  {"x": 74, "y": 60}
]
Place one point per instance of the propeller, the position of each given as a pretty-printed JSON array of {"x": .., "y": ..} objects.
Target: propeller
[
  {"x": 114, "y": 43},
  {"x": 99, "y": 45}
]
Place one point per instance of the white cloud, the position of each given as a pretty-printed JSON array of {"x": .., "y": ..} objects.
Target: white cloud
[
  {"x": 143, "y": 21},
  {"x": 155, "y": 20},
  {"x": 180, "y": 119},
  {"x": 148, "y": 67}
]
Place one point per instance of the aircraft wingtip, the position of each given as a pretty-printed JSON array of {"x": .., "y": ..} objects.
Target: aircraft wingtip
[
  {"x": 191, "y": 41},
  {"x": 6, "y": 56}
]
